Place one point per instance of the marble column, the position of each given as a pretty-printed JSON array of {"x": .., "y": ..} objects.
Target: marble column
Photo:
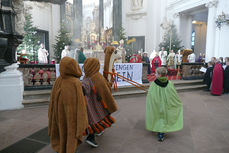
[
  {"x": 117, "y": 18},
  {"x": 101, "y": 17},
  {"x": 186, "y": 30},
  {"x": 11, "y": 82},
  {"x": 12, "y": 87},
  {"x": 78, "y": 22},
  {"x": 221, "y": 36},
  {"x": 211, "y": 30},
  {"x": 62, "y": 13}
]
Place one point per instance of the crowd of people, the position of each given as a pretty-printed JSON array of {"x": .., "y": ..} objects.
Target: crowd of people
[
  {"x": 217, "y": 76},
  {"x": 162, "y": 58},
  {"x": 84, "y": 108}
]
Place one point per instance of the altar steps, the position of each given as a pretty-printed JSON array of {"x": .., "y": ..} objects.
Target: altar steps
[
  {"x": 41, "y": 97},
  {"x": 181, "y": 86}
]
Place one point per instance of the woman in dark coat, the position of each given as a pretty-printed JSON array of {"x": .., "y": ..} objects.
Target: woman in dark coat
[
  {"x": 145, "y": 59},
  {"x": 226, "y": 76},
  {"x": 208, "y": 75}
]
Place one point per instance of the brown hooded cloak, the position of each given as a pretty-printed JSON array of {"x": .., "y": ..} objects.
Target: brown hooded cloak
[
  {"x": 67, "y": 109},
  {"x": 91, "y": 69}
]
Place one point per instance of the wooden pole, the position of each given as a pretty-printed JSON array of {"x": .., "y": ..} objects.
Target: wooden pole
[{"x": 170, "y": 41}]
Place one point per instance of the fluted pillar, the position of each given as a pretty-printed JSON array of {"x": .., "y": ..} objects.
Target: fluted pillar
[
  {"x": 101, "y": 17},
  {"x": 78, "y": 22},
  {"x": 211, "y": 30},
  {"x": 117, "y": 18},
  {"x": 62, "y": 13}
]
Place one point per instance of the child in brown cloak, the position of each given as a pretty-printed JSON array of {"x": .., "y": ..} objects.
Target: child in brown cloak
[
  {"x": 100, "y": 102},
  {"x": 67, "y": 109}
]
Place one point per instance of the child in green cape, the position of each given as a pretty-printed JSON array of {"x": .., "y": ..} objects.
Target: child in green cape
[{"x": 164, "y": 110}]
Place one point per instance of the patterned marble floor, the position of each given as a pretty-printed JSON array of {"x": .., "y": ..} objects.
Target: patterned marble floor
[{"x": 206, "y": 128}]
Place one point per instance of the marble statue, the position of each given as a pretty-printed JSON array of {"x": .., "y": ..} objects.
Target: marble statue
[
  {"x": 136, "y": 4},
  {"x": 18, "y": 6},
  {"x": 42, "y": 55}
]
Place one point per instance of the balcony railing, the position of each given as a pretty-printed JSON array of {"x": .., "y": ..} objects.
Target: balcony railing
[
  {"x": 38, "y": 76},
  {"x": 43, "y": 76}
]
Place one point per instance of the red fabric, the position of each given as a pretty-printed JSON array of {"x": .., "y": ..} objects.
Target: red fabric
[
  {"x": 139, "y": 59},
  {"x": 133, "y": 59},
  {"x": 217, "y": 80},
  {"x": 155, "y": 61},
  {"x": 136, "y": 59}
]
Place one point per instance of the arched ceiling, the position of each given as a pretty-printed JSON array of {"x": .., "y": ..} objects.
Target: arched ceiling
[{"x": 49, "y": 1}]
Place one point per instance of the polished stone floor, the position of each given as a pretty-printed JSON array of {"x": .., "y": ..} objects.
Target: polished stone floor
[{"x": 206, "y": 127}]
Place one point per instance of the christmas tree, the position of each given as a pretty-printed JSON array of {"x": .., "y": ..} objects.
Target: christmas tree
[
  {"x": 122, "y": 35},
  {"x": 175, "y": 41},
  {"x": 30, "y": 40},
  {"x": 62, "y": 39},
  {"x": 127, "y": 46}
]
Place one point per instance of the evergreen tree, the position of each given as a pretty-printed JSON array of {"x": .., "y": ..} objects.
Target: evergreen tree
[
  {"x": 122, "y": 35},
  {"x": 128, "y": 48},
  {"x": 129, "y": 53},
  {"x": 175, "y": 43},
  {"x": 62, "y": 39},
  {"x": 30, "y": 40}
]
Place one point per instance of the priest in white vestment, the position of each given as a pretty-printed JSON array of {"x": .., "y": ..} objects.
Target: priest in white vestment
[
  {"x": 65, "y": 52},
  {"x": 152, "y": 55},
  {"x": 163, "y": 56},
  {"x": 192, "y": 58}
]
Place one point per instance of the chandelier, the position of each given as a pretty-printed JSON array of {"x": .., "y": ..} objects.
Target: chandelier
[{"x": 222, "y": 19}]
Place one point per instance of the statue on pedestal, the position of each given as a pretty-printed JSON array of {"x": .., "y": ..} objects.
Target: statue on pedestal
[
  {"x": 43, "y": 55},
  {"x": 18, "y": 6}
]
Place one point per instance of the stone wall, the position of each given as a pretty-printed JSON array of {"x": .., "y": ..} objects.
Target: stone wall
[{"x": 46, "y": 16}]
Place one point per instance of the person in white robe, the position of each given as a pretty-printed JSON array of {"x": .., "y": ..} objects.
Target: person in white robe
[
  {"x": 192, "y": 58},
  {"x": 171, "y": 59},
  {"x": 65, "y": 52},
  {"x": 152, "y": 55},
  {"x": 163, "y": 56},
  {"x": 42, "y": 55},
  {"x": 178, "y": 58}
]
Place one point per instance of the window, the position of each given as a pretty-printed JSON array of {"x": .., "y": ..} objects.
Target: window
[
  {"x": 43, "y": 38},
  {"x": 193, "y": 39},
  {"x": 7, "y": 3}
]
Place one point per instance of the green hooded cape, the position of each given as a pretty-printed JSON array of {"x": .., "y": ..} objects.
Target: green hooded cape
[{"x": 164, "y": 110}]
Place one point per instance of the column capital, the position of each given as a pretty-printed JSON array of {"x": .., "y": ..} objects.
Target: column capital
[
  {"x": 176, "y": 15},
  {"x": 212, "y": 3}
]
